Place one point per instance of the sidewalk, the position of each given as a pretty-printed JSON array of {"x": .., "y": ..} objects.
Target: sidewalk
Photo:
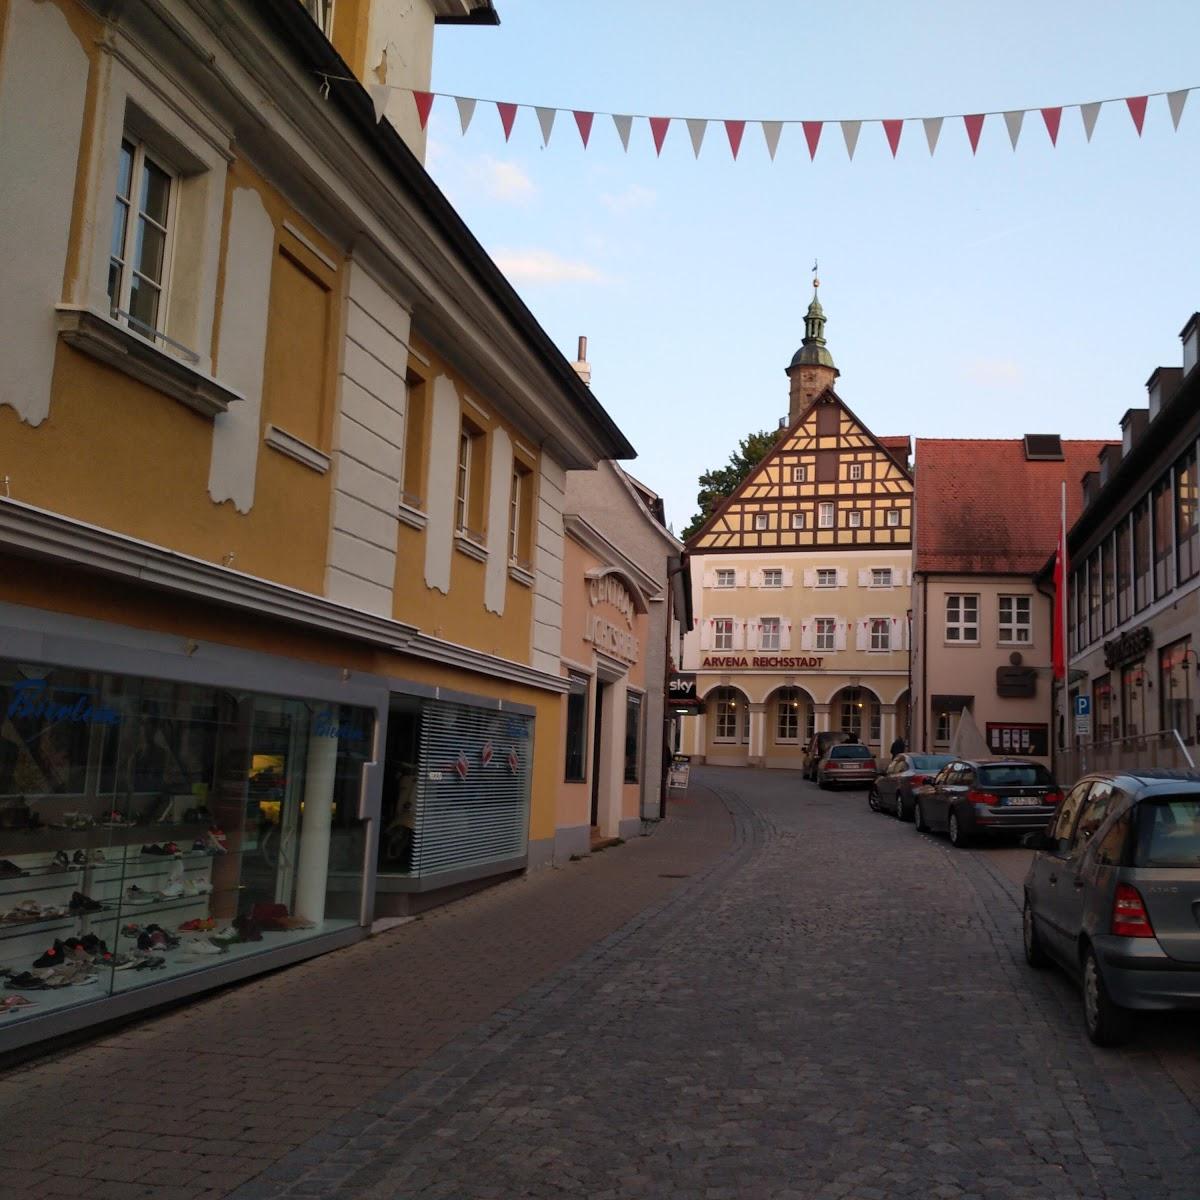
[{"x": 201, "y": 1100}]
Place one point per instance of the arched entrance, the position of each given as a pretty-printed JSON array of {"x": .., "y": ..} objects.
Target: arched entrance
[
  {"x": 727, "y": 727},
  {"x": 790, "y": 723},
  {"x": 904, "y": 718},
  {"x": 856, "y": 711}
]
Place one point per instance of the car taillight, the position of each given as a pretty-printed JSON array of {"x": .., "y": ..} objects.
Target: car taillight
[
  {"x": 917, "y": 780},
  {"x": 870, "y": 765},
  {"x": 982, "y": 797},
  {"x": 1053, "y": 797},
  {"x": 1129, "y": 915}
]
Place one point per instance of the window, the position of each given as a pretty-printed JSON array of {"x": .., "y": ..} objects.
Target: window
[
  {"x": 1102, "y": 707},
  {"x": 140, "y": 254},
  {"x": 1068, "y": 810},
  {"x": 825, "y": 515},
  {"x": 416, "y": 422},
  {"x": 760, "y": 520},
  {"x": 520, "y": 516},
  {"x": 826, "y": 633},
  {"x": 728, "y": 712},
  {"x": 769, "y": 633},
  {"x": 856, "y": 471},
  {"x": 827, "y": 577},
  {"x": 726, "y": 578},
  {"x": 633, "y": 735},
  {"x": 787, "y": 715},
  {"x": 1108, "y": 584},
  {"x": 575, "y": 770},
  {"x": 1177, "y": 666},
  {"x": 1079, "y": 598},
  {"x": 1124, "y": 572},
  {"x": 1016, "y": 621},
  {"x": 799, "y": 474},
  {"x": 941, "y": 728},
  {"x": 1164, "y": 540},
  {"x": 962, "y": 618},
  {"x": 772, "y": 577},
  {"x": 797, "y": 520},
  {"x": 1133, "y": 698},
  {"x": 892, "y": 518},
  {"x": 854, "y": 518},
  {"x": 1093, "y": 586},
  {"x": 722, "y": 633},
  {"x": 1099, "y": 803},
  {"x": 1141, "y": 555},
  {"x": 1187, "y": 518},
  {"x": 881, "y": 577},
  {"x": 881, "y": 633}
]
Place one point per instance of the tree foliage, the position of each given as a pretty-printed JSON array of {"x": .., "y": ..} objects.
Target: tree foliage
[{"x": 720, "y": 482}]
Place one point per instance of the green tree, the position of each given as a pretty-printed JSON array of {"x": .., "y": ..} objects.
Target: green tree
[{"x": 720, "y": 482}]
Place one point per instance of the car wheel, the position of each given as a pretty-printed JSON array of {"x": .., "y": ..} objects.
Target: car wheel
[
  {"x": 1107, "y": 1023},
  {"x": 918, "y": 818},
  {"x": 899, "y": 806},
  {"x": 1035, "y": 956},
  {"x": 958, "y": 838},
  {"x": 822, "y": 782},
  {"x": 873, "y": 799}
]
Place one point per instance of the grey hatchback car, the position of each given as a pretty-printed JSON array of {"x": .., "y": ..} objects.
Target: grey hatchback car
[{"x": 1113, "y": 895}]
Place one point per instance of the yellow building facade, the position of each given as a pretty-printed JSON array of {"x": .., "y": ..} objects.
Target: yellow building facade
[
  {"x": 283, "y": 462},
  {"x": 801, "y": 585}
]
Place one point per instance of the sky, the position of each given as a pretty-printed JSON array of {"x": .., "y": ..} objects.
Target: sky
[{"x": 967, "y": 296}]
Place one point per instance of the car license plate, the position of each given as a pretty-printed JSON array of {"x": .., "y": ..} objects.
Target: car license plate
[{"x": 1024, "y": 800}]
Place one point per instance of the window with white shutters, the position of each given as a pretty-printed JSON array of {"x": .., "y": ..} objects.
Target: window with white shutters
[{"x": 769, "y": 630}]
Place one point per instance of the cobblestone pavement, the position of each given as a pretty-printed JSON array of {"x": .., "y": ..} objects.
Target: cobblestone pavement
[
  {"x": 198, "y": 1101},
  {"x": 837, "y": 1010}
]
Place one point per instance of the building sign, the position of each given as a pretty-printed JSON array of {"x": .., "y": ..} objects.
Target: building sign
[
  {"x": 74, "y": 706},
  {"x": 1008, "y": 737},
  {"x": 681, "y": 769},
  {"x": 761, "y": 662},
  {"x": 1129, "y": 645},
  {"x": 681, "y": 689},
  {"x": 603, "y": 633}
]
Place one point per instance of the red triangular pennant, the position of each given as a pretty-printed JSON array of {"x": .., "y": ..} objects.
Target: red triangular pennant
[
  {"x": 734, "y": 131},
  {"x": 1137, "y": 110},
  {"x": 424, "y": 102},
  {"x": 508, "y": 114},
  {"x": 974, "y": 126},
  {"x": 812, "y": 135},
  {"x": 1052, "y": 116},
  {"x": 659, "y": 127},
  {"x": 584, "y": 121},
  {"x": 892, "y": 129}
]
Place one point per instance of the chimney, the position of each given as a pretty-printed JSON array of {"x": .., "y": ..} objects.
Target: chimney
[
  {"x": 1133, "y": 425},
  {"x": 1190, "y": 337},
  {"x": 1109, "y": 457},
  {"x": 1091, "y": 485},
  {"x": 1161, "y": 386},
  {"x": 581, "y": 365}
]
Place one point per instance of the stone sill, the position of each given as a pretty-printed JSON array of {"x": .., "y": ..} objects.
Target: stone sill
[
  {"x": 293, "y": 447},
  {"x": 118, "y": 346},
  {"x": 519, "y": 574},
  {"x": 470, "y": 548},
  {"x": 411, "y": 516}
]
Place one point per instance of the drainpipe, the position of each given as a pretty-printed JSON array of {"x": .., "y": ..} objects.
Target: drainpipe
[
  {"x": 908, "y": 729},
  {"x": 924, "y": 662},
  {"x": 1055, "y": 749},
  {"x": 675, "y": 567}
]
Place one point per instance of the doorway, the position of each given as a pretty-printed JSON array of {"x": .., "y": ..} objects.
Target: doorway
[{"x": 597, "y": 731}]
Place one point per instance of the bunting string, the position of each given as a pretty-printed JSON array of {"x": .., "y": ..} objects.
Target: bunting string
[{"x": 734, "y": 129}]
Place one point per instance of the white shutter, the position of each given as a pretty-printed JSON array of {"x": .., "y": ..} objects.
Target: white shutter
[
  {"x": 739, "y": 635},
  {"x": 864, "y": 577},
  {"x": 710, "y": 579},
  {"x": 808, "y": 634},
  {"x": 788, "y": 577},
  {"x": 862, "y": 635},
  {"x": 901, "y": 634},
  {"x": 705, "y": 634},
  {"x": 785, "y": 635},
  {"x": 752, "y": 635},
  {"x": 756, "y": 578},
  {"x": 810, "y": 578},
  {"x": 907, "y": 575},
  {"x": 839, "y": 636},
  {"x": 843, "y": 577},
  {"x": 739, "y": 577}
]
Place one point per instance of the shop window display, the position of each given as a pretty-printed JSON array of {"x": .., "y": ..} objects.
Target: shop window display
[{"x": 151, "y": 829}]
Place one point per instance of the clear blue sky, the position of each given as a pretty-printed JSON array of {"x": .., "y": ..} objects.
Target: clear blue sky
[{"x": 967, "y": 297}]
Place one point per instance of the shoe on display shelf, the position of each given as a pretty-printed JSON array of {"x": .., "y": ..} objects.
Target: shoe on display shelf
[
  {"x": 10, "y": 870},
  {"x": 199, "y": 947},
  {"x": 113, "y": 820},
  {"x": 215, "y": 841},
  {"x": 198, "y": 925},
  {"x": 27, "y": 981},
  {"x": 248, "y": 929},
  {"x": 154, "y": 850},
  {"x": 84, "y": 904},
  {"x": 55, "y": 956},
  {"x": 60, "y": 862},
  {"x": 196, "y": 887},
  {"x": 31, "y": 910},
  {"x": 172, "y": 891},
  {"x": 11, "y": 1003},
  {"x": 137, "y": 895}
]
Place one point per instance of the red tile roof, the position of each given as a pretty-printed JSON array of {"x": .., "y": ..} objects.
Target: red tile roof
[
  {"x": 899, "y": 447},
  {"x": 982, "y": 508}
]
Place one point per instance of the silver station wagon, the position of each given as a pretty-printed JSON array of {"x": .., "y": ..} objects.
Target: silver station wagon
[{"x": 1113, "y": 895}]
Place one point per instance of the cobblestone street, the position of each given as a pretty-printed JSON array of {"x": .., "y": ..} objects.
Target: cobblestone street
[{"x": 829, "y": 1006}]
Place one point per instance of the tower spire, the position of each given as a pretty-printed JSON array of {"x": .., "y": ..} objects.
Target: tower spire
[{"x": 812, "y": 368}]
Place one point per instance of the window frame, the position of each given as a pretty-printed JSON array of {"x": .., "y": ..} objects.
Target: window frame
[
  {"x": 1013, "y": 625},
  {"x": 787, "y": 704},
  {"x": 776, "y": 624},
  {"x": 854, "y": 518},
  {"x": 719, "y": 576},
  {"x": 578, "y": 688},
  {"x": 825, "y": 571},
  {"x": 720, "y": 631},
  {"x": 634, "y": 711},
  {"x": 826, "y": 509},
  {"x": 961, "y": 623},
  {"x": 855, "y": 472},
  {"x": 799, "y": 520},
  {"x": 471, "y": 482},
  {"x": 762, "y": 522},
  {"x": 892, "y": 518},
  {"x": 800, "y": 473},
  {"x": 775, "y": 573},
  {"x": 881, "y": 634},
  {"x": 882, "y": 583},
  {"x": 830, "y": 633}
]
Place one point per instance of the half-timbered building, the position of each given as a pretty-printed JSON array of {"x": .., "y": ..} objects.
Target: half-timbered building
[{"x": 801, "y": 584}]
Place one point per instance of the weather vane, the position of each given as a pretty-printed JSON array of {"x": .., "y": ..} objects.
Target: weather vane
[{"x": 816, "y": 281}]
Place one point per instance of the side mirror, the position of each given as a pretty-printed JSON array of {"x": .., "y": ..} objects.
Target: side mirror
[{"x": 1037, "y": 841}]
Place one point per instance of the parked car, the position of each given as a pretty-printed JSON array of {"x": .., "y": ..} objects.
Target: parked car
[
  {"x": 849, "y": 762},
  {"x": 1113, "y": 896},
  {"x": 986, "y": 797},
  {"x": 892, "y": 791},
  {"x": 818, "y": 747}
]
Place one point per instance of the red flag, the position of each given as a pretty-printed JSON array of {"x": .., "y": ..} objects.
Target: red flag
[
  {"x": 974, "y": 126},
  {"x": 584, "y": 121},
  {"x": 424, "y": 102},
  {"x": 508, "y": 114},
  {"x": 1137, "y": 110},
  {"x": 892, "y": 129},
  {"x": 734, "y": 131},
  {"x": 1052, "y": 116},
  {"x": 812, "y": 135},
  {"x": 1059, "y": 634},
  {"x": 658, "y": 127}
]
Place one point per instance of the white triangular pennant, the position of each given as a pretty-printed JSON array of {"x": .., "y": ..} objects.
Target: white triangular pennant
[
  {"x": 545, "y": 118},
  {"x": 850, "y": 131},
  {"x": 696, "y": 128},
  {"x": 623, "y": 124},
  {"x": 1013, "y": 121},
  {"x": 1176, "y": 101},
  {"x": 933, "y": 130},
  {"x": 380, "y": 94},
  {"x": 1089, "y": 113},
  {"x": 771, "y": 131},
  {"x": 466, "y": 110}
]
